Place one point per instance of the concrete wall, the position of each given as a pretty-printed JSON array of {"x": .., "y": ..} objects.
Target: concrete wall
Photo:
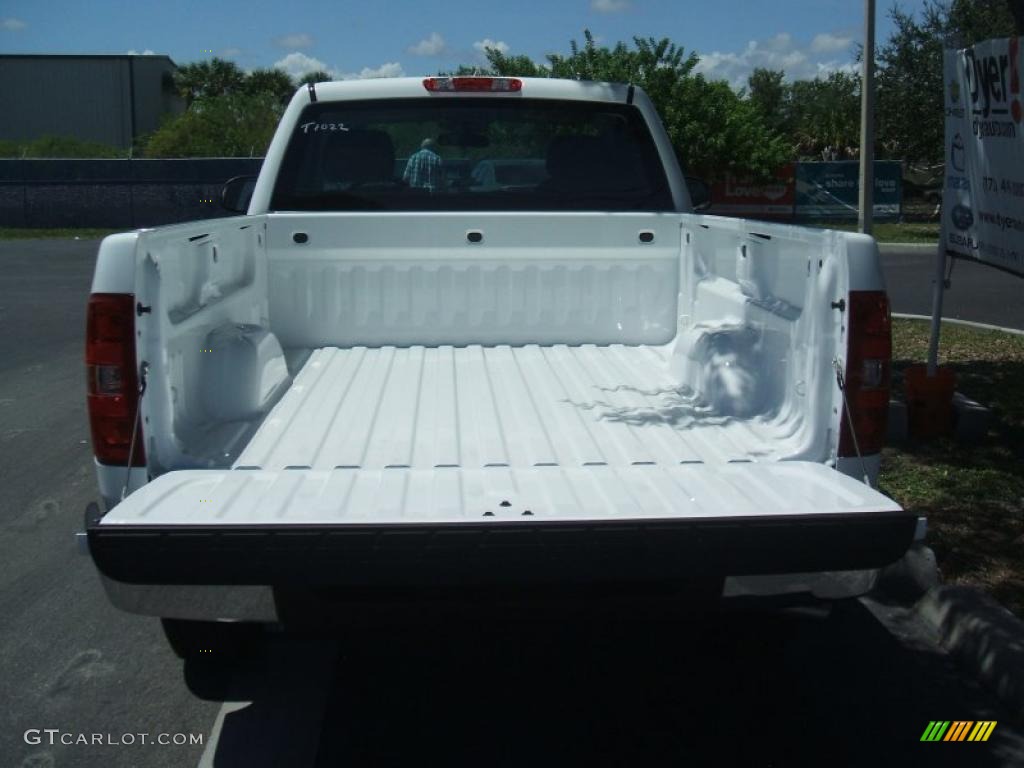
[{"x": 114, "y": 193}]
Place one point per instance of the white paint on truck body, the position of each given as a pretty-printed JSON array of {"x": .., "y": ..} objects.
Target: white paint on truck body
[{"x": 385, "y": 369}]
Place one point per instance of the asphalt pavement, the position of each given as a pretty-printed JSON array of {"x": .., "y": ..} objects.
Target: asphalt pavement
[
  {"x": 68, "y": 659},
  {"x": 977, "y": 292},
  {"x": 854, "y": 684}
]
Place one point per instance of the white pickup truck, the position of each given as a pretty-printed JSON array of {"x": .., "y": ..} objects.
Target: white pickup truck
[{"x": 387, "y": 378}]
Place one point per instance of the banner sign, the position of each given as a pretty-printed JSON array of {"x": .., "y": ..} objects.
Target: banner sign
[
  {"x": 832, "y": 190},
  {"x": 739, "y": 196},
  {"x": 983, "y": 200}
]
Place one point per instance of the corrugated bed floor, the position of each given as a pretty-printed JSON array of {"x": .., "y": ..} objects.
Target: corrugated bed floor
[{"x": 475, "y": 407}]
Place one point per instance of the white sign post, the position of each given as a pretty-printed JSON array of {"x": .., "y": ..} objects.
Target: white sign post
[{"x": 983, "y": 201}]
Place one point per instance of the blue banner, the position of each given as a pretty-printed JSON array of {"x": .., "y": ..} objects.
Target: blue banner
[{"x": 831, "y": 190}]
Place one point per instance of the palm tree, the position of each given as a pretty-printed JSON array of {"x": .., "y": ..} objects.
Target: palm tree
[
  {"x": 317, "y": 76},
  {"x": 201, "y": 79},
  {"x": 275, "y": 82}
]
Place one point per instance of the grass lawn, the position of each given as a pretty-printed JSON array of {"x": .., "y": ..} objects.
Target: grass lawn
[
  {"x": 973, "y": 495},
  {"x": 15, "y": 233},
  {"x": 891, "y": 231}
]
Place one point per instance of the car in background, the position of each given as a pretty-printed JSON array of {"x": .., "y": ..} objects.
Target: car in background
[{"x": 508, "y": 174}]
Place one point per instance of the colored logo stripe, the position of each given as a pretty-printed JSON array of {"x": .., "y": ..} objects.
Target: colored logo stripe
[
  {"x": 935, "y": 730},
  {"x": 958, "y": 730},
  {"x": 982, "y": 730}
]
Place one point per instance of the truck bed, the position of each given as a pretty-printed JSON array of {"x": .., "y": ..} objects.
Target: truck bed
[
  {"x": 476, "y": 407},
  {"x": 498, "y": 465},
  {"x": 366, "y": 389}
]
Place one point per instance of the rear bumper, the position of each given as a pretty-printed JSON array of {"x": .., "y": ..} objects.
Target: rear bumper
[
  {"x": 499, "y": 554},
  {"x": 312, "y": 606}
]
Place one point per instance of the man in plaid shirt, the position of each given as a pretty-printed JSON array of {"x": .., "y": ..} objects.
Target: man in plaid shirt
[{"x": 424, "y": 168}]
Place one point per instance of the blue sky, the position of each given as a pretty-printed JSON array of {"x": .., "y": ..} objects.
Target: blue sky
[{"x": 804, "y": 37}]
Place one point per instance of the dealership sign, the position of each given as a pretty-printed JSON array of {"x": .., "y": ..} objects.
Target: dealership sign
[
  {"x": 832, "y": 190},
  {"x": 983, "y": 201},
  {"x": 828, "y": 190},
  {"x": 744, "y": 196}
]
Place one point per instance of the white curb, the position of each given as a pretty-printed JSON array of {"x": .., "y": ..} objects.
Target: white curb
[{"x": 968, "y": 323}]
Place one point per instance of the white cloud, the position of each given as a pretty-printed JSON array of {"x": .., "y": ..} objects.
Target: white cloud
[
  {"x": 147, "y": 52},
  {"x": 779, "y": 52},
  {"x": 297, "y": 64},
  {"x": 826, "y": 68},
  {"x": 295, "y": 40},
  {"x": 231, "y": 53},
  {"x": 390, "y": 69},
  {"x": 609, "y": 6},
  {"x": 498, "y": 45},
  {"x": 781, "y": 42},
  {"x": 828, "y": 43},
  {"x": 13, "y": 24},
  {"x": 431, "y": 46}
]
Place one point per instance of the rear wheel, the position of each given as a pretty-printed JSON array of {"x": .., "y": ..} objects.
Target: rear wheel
[{"x": 213, "y": 640}]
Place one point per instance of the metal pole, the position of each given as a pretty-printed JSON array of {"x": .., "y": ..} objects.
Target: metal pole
[
  {"x": 867, "y": 123},
  {"x": 939, "y": 278},
  {"x": 938, "y": 288}
]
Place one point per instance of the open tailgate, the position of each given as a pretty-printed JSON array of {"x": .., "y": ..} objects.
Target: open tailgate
[{"x": 401, "y": 526}]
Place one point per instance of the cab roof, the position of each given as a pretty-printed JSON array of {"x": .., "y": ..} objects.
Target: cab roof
[{"x": 413, "y": 87}]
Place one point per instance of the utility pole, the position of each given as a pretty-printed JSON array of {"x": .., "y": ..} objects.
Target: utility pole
[{"x": 867, "y": 123}]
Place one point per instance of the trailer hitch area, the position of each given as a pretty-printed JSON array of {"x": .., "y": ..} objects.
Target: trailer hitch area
[{"x": 91, "y": 519}]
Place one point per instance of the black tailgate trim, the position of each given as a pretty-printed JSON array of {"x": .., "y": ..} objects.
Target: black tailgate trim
[{"x": 497, "y": 552}]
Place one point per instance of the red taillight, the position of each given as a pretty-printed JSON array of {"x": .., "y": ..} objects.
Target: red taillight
[
  {"x": 868, "y": 359},
  {"x": 112, "y": 382},
  {"x": 473, "y": 84}
]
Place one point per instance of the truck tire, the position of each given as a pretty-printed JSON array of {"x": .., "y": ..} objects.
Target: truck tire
[{"x": 213, "y": 640}]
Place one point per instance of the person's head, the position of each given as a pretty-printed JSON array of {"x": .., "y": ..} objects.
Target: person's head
[{"x": 428, "y": 144}]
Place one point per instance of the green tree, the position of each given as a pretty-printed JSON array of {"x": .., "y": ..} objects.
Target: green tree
[
  {"x": 215, "y": 77},
  {"x": 275, "y": 82},
  {"x": 59, "y": 146},
  {"x": 910, "y": 76},
  {"x": 466, "y": 70},
  {"x": 508, "y": 66},
  {"x": 977, "y": 20},
  {"x": 232, "y": 125},
  {"x": 230, "y": 113},
  {"x": 770, "y": 96},
  {"x": 824, "y": 114},
  {"x": 910, "y": 92},
  {"x": 1017, "y": 12},
  {"x": 317, "y": 76},
  {"x": 711, "y": 128}
]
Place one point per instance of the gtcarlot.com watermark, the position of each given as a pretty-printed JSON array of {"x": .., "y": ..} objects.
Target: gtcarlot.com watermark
[{"x": 54, "y": 736}]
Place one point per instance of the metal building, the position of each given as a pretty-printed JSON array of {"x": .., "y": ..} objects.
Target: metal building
[{"x": 109, "y": 99}]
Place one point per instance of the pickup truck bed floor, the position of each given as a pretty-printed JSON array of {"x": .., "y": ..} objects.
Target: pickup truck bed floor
[{"x": 475, "y": 407}]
